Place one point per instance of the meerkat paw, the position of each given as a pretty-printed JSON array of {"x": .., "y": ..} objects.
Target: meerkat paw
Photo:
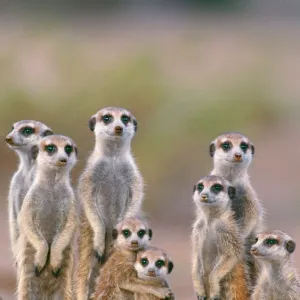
[
  {"x": 164, "y": 293},
  {"x": 201, "y": 297},
  {"x": 215, "y": 298},
  {"x": 56, "y": 272},
  {"x": 40, "y": 260},
  {"x": 99, "y": 256},
  {"x": 56, "y": 258}
]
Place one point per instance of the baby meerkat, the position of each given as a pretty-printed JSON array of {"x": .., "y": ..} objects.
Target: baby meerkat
[
  {"x": 232, "y": 154},
  {"x": 278, "y": 279},
  {"x": 110, "y": 190},
  {"x": 217, "y": 265},
  {"x": 23, "y": 139},
  {"x": 152, "y": 266},
  {"x": 117, "y": 280},
  {"x": 47, "y": 222}
]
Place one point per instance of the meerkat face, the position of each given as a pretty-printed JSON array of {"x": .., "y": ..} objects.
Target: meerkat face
[
  {"x": 232, "y": 149},
  {"x": 153, "y": 264},
  {"x": 26, "y": 133},
  {"x": 57, "y": 151},
  {"x": 132, "y": 234},
  {"x": 113, "y": 123},
  {"x": 213, "y": 191},
  {"x": 273, "y": 246}
]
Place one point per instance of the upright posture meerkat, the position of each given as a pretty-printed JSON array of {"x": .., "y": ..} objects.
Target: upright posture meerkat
[
  {"x": 152, "y": 266},
  {"x": 278, "y": 279},
  {"x": 217, "y": 245},
  {"x": 110, "y": 189},
  {"x": 23, "y": 139},
  {"x": 47, "y": 224},
  {"x": 117, "y": 280},
  {"x": 232, "y": 154}
]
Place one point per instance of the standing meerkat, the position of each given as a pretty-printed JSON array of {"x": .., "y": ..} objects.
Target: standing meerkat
[
  {"x": 23, "y": 139},
  {"x": 152, "y": 266},
  {"x": 118, "y": 280},
  {"x": 232, "y": 154},
  {"x": 47, "y": 224},
  {"x": 217, "y": 245},
  {"x": 110, "y": 189},
  {"x": 278, "y": 279}
]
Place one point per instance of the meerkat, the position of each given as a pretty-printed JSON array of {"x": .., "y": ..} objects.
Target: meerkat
[
  {"x": 278, "y": 278},
  {"x": 110, "y": 190},
  {"x": 23, "y": 139},
  {"x": 47, "y": 223},
  {"x": 232, "y": 155},
  {"x": 217, "y": 245},
  {"x": 117, "y": 279},
  {"x": 152, "y": 266}
]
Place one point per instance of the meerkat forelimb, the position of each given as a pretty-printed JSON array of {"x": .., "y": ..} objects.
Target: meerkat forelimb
[
  {"x": 47, "y": 222},
  {"x": 232, "y": 155},
  {"x": 278, "y": 279},
  {"x": 23, "y": 139},
  {"x": 117, "y": 276},
  {"x": 110, "y": 189},
  {"x": 217, "y": 244}
]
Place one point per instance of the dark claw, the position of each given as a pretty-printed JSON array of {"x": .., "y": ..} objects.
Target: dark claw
[
  {"x": 201, "y": 297},
  {"x": 99, "y": 257},
  {"x": 215, "y": 298},
  {"x": 37, "y": 271},
  {"x": 56, "y": 272}
]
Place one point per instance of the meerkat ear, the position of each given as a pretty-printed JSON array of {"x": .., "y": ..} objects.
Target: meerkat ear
[
  {"x": 170, "y": 266},
  {"x": 76, "y": 150},
  {"x": 92, "y": 123},
  {"x": 47, "y": 132},
  {"x": 290, "y": 246},
  {"x": 150, "y": 233},
  {"x": 135, "y": 124},
  {"x": 231, "y": 191},
  {"x": 34, "y": 152},
  {"x": 115, "y": 234},
  {"x": 252, "y": 148},
  {"x": 194, "y": 188},
  {"x": 212, "y": 149}
]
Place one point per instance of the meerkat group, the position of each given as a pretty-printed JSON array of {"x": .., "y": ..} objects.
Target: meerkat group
[{"x": 233, "y": 257}]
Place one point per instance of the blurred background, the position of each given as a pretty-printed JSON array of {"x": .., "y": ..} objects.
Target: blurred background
[{"x": 188, "y": 71}]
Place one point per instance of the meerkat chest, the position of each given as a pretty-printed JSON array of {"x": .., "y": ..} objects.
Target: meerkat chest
[{"x": 238, "y": 203}]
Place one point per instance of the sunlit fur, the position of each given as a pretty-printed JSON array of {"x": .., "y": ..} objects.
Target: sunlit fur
[
  {"x": 217, "y": 244},
  {"x": 25, "y": 147},
  {"x": 47, "y": 224},
  {"x": 109, "y": 189},
  {"x": 278, "y": 278}
]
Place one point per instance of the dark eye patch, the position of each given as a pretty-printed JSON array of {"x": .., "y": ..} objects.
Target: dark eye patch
[
  {"x": 226, "y": 146},
  {"x": 217, "y": 188},
  {"x": 69, "y": 149},
  {"x": 126, "y": 233},
  {"x": 200, "y": 187},
  {"x": 159, "y": 263},
  {"x": 107, "y": 119},
  {"x": 50, "y": 149},
  {"x": 125, "y": 119},
  {"x": 144, "y": 261},
  {"x": 244, "y": 146},
  {"x": 27, "y": 131},
  {"x": 141, "y": 233},
  {"x": 271, "y": 242}
]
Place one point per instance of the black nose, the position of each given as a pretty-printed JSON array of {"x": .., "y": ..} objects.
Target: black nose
[
  {"x": 238, "y": 156},
  {"x": 134, "y": 243},
  {"x": 118, "y": 129},
  {"x": 8, "y": 140},
  {"x": 63, "y": 160}
]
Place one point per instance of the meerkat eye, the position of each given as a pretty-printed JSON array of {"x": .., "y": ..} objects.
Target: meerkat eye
[
  {"x": 68, "y": 149},
  {"x": 244, "y": 146},
  {"x": 126, "y": 233},
  {"x": 200, "y": 187},
  {"x": 160, "y": 263},
  {"x": 217, "y": 188},
  {"x": 27, "y": 131},
  {"x": 107, "y": 119},
  {"x": 256, "y": 240},
  {"x": 12, "y": 128},
  {"x": 271, "y": 242},
  {"x": 125, "y": 119},
  {"x": 141, "y": 233},
  {"x": 144, "y": 261},
  {"x": 50, "y": 148},
  {"x": 226, "y": 146}
]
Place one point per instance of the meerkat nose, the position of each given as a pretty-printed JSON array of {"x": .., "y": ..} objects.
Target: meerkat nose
[
  {"x": 118, "y": 129},
  {"x": 151, "y": 272},
  {"x": 237, "y": 156},
  {"x": 62, "y": 161},
  {"x": 204, "y": 197},
  {"x": 134, "y": 243},
  {"x": 9, "y": 140},
  {"x": 253, "y": 250}
]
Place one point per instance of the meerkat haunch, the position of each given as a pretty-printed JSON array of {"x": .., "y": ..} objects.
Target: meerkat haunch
[
  {"x": 110, "y": 189},
  {"x": 117, "y": 278},
  {"x": 217, "y": 245},
  {"x": 232, "y": 154},
  {"x": 278, "y": 279},
  {"x": 152, "y": 266},
  {"x": 23, "y": 139},
  {"x": 47, "y": 222}
]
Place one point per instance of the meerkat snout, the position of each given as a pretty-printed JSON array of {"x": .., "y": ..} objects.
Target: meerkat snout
[
  {"x": 9, "y": 140},
  {"x": 237, "y": 156},
  {"x": 118, "y": 130}
]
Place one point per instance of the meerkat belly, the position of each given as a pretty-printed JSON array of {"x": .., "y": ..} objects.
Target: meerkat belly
[
  {"x": 112, "y": 181},
  {"x": 209, "y": 253},
  {"x": 239, "y": 203}
]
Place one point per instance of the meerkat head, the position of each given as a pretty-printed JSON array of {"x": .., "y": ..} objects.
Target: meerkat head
[
  {"x": 153, "y": 264},
  {"x": 273, "y": 246},
  {"x": 232, "y": 150},
  {"x": 57, "y": 151},
  {"x": 132, "y": 234},
  {"x": 113, "y": 123},
  {"x": 213, "y": 191},
  {"x": 26, "y": 134}
]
